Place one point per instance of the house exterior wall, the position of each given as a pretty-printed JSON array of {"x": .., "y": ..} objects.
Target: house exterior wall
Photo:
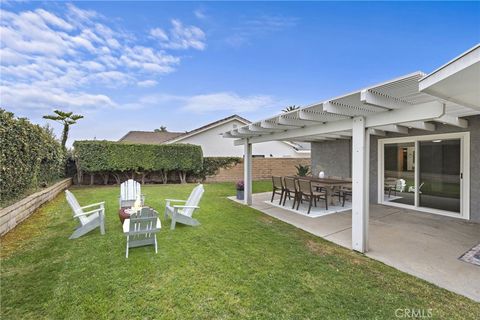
[
  {"x": 331, "y": 157},
  {"x": 213, "y": 145}
]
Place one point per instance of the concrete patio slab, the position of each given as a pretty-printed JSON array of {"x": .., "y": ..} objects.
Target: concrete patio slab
[{"x": 425, "y": 245}]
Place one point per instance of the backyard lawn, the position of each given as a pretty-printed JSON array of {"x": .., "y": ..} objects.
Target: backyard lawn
[{"x": 239, "y": 263}]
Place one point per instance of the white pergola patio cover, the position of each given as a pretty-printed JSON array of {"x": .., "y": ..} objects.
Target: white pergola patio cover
[{"x": 393, "y": 106}]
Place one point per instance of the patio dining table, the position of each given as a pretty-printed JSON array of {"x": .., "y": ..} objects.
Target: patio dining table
[{"x": 329, "y": 184}]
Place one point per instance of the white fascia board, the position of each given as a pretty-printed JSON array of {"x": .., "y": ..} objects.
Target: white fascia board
[
  {"x": 455, "y": 65},
  {"x": 378, "y": 100}
]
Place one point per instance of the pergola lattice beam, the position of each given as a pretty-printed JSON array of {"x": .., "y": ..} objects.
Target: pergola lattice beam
[
  {"x": 375, "y": 99},
  {"x": 453, "y": 121},
  {"x": 259, "y": 129},
  {"x": 421, "y": 112},
  {"x": 377, "y": 132},
  {"x": 293, "y": 121},
  {"x": 272, "y": 125},
  {"x": 420, "y": 125},
  {"x": 346, "y": 110},
  {"x": 393, "y": 128}
]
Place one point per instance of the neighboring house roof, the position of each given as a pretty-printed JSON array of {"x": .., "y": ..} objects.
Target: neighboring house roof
[
  {"x": 149, "y": 137},
  {"x": 208, "y": 126}
]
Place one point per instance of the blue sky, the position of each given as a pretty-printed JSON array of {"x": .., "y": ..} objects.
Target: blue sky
[{"x": 139, "y": 65}]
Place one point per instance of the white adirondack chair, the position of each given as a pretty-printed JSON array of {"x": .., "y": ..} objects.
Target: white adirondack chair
[
  {"x": 400, "y": 185},
  {"x": 130, "y": 190},
  {"x": 89, "y": 220},
  {"x": 141, "y": 229},
  {"x": 183, "y": 213},
  {"x": 413, "y": 188}
]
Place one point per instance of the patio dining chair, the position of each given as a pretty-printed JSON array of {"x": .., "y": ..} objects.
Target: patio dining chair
[
  {"x": 278, "y": 188},
  {"x": 291, "y": 188},
  {"x": 389, "y": 185},
  {"x": 345, "y": 191},
  {"x": 307, "y": 193}
]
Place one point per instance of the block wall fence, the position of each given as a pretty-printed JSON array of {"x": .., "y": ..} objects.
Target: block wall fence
[
  {"x": 12, "y": 215},
  {"x": 262, "y": 169}
]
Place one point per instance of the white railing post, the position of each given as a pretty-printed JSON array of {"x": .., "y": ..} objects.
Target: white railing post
[
  {"x": 247, "y": 172},
  {"x": 360, "y": 168}
]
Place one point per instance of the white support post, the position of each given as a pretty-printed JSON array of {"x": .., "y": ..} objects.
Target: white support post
[
  {"x": 360, "y": 201},
  {"x": 247, "y": 172}
]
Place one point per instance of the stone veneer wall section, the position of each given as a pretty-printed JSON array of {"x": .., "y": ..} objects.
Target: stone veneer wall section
[
  {"x": 16, "y": 213},
  {"x": 331, "y": 156},
  {"x": 262, "y": 169}
]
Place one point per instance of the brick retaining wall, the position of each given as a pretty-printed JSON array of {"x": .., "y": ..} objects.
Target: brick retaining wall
[
  {"x": 262, "y": 168},
  {"x": 16, "y": 213}
]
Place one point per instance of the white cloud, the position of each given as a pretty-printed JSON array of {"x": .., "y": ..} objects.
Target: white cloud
[
  {"x": 147, "y": 83},
  {"x": 56, "y": 58},
  {"x": 251, "y": 28},
  {"x": 227, "y": 101},
  {"x": 159, "y": 34},
  {"x": 52, "y": 19},
  {"x": 31, "y": 97},
  {"x": 200, "y": 14},
  {"x": 180, "y": 36},
  {"x": 205, "y": 103}
]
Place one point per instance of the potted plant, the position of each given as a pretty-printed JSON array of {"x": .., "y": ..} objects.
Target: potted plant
[
  {"x": 240, "y": 189},
  {"x": 303, "y": 171}
]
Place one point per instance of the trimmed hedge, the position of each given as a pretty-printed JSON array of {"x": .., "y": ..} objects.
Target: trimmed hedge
[
  {"x": 211, "y": 165},
  {"x": 30, "y": 156},
  {"x": 113, "y": 158}
]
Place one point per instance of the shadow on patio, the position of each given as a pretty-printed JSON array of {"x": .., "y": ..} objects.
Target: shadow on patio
[{"x": 424, "y": 245}]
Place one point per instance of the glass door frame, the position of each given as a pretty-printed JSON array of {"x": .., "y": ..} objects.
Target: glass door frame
[{"x": 464, "y": 169}]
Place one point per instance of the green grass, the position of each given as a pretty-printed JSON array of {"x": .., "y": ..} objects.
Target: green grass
[{"x": 239, "y": 263}]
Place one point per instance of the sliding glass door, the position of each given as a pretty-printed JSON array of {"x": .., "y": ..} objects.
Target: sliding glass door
[
  {"x": 426, "y": 173},
  {"x": 440, "y": 174}
]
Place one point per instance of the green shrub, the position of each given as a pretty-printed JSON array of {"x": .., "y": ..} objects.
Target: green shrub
[
  {"x": 30, "y": 156},
  {"x": 113, "y": 158},
  {"x": 211, "y": 165}
]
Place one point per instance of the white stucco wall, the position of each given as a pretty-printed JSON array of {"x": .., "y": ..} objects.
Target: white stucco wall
[{"x": 214, "y": 145}]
